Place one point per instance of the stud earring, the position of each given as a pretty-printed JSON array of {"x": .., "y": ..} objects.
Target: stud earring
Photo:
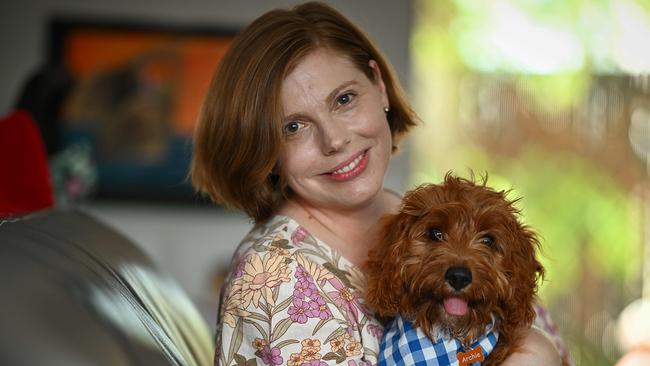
[{"x": 386, "y": 110}]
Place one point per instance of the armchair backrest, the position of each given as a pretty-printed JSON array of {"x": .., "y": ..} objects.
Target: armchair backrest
[{"x": 73, "y": 291}]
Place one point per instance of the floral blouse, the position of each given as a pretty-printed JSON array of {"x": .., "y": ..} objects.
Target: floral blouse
[{"x": 292, "y": 300}]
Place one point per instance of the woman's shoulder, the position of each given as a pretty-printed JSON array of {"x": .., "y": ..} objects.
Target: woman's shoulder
[
  {"x": 278, "y": 231},
  {"x": 283, "y": 246},
  {"x": 281, "y": 242},
  {"x": 278, "y": 224}
]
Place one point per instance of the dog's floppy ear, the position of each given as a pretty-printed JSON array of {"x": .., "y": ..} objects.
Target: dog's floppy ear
[
  {"x": 418, "y": 201},
  {"x": 525, "y": 271},
  {"x": 385, "y": 285}
]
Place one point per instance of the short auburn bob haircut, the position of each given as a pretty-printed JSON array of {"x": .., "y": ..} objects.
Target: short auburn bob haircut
[{"x": 239, "y": 134}]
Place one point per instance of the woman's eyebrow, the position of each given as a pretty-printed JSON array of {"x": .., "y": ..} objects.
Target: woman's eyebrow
[
  {"x": 338, "y": 89},
  {"x": 294, "y": 116},
  {"x": 330, "y": 98}
]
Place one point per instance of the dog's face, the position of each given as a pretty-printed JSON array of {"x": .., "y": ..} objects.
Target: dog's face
[{"x": 454, "y": 256}]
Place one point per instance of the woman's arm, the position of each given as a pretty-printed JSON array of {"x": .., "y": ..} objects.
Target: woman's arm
[{"x": 538, "y": 349}]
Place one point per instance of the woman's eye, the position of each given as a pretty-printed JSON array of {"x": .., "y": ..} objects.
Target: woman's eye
[
  {"x": 292, "y": 127},
  {"x": 344, "y": 99},
  {"x": 487, "y": 240},
  {"x": 435, "y": 234}
]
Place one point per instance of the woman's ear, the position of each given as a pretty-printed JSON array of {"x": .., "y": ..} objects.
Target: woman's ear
[{"x": 379, "y": 81}]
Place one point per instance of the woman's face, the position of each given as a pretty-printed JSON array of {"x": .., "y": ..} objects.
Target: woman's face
[{"x": 337, "y": 139}]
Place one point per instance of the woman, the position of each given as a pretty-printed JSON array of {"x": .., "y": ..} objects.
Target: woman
[{"x": 297, "y": 131}]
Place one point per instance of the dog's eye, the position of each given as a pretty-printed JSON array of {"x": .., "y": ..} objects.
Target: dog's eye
[
  {"x": 435, "y": 234},
  {"x": 487, "y": 240}
]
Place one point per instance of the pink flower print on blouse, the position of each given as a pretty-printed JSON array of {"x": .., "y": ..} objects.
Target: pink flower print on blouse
[
  {"x": 346, "y": 299},
  {"x": 305, "y": 288},
  {"x": 318, "y": 309},
  {"x": 301, "y": 275},
  {"x": 298, "y": 311},
  {"x": 240, "y": 262},
  {"x": 271, "y": 356},
  {"x": 314, "y": 363},
  {"x": 375, "y": 330},
  {"x": 299, "y": 235},
  {"x": 361, "y": 363}
]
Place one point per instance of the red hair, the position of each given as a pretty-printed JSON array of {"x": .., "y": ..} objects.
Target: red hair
[{"x": 239, "y": 136}]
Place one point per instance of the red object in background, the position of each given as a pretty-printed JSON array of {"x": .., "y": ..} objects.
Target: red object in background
[{"x": 24, "y": 175}]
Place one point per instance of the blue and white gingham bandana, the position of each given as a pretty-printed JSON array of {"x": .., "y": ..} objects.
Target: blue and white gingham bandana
[{"x": 404, "y": 345}]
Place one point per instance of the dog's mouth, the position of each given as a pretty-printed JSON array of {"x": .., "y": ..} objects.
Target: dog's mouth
[{"x": 455, "y": 306}]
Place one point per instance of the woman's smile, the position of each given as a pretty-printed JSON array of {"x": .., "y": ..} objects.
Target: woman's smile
[{"x": 350, "y": 169}]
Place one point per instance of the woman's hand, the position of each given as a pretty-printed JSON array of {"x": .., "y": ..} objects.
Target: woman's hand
[{"x": 537, "y": 350}]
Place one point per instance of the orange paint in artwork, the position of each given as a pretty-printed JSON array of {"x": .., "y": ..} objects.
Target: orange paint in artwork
[
  {"x": 199, "y": 59},
  {"x": 183, "y": 63},
  {"x": 91, "y": 51}
]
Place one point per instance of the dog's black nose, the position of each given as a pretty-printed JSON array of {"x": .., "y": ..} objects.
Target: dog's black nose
[{"x": 458, "y": 277}]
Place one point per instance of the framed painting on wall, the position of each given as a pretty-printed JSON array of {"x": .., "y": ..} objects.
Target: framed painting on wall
[{"x": 137, "y": 91}]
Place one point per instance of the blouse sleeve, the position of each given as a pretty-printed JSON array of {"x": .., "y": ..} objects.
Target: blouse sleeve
[
  {"x": 281, "y": 308},
  {"x": 543, "y": 321}
]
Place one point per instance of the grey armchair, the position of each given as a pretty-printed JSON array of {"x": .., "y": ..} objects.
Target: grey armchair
[{"x": 75, "y": 292}]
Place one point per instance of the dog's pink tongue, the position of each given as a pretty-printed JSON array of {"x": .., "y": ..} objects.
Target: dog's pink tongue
[{"x": 455, "y": 306}]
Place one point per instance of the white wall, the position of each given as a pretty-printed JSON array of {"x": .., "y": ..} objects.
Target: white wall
[{"x": 189, "y": 243}]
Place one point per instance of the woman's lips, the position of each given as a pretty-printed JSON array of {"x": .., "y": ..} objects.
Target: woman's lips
[{"x": 350, "y": 170}]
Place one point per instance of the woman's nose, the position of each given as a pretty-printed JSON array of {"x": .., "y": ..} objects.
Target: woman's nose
[{"x": 335, "y": 135}]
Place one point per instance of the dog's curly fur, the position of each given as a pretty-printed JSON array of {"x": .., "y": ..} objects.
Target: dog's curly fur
[{"x": 481, "y": 232}]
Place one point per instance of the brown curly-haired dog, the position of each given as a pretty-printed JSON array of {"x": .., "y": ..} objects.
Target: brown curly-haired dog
[{"x": 455, "y": 255}]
